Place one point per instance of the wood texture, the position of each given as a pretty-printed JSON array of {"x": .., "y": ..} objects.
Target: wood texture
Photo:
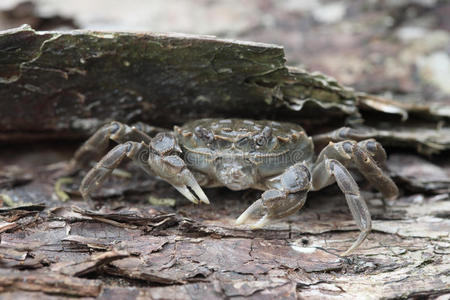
[
  {"x": 131, "y": 248},
  {"x": 147, "y": 242}
]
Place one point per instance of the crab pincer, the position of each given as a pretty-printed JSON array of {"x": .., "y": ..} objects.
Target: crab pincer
[
  {"x": 287, "y": 196},
  {"x": 160, "y": 158},
  {"x": 173, "y": 170},
  {"x": 165, "y": 162}
]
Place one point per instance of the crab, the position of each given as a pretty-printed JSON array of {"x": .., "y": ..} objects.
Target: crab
[{"x": 277, "y": 158}]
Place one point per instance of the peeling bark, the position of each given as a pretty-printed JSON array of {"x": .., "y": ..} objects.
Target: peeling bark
[
  {"x": 76, "y": 81},
  {"x": 67, "y": 84}
]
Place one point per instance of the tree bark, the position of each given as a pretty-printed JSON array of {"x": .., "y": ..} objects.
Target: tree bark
[
  {"x": 134, "y": 248},
  {"x": 147, "y": 241},
  {"x": 65, "y": 85}
]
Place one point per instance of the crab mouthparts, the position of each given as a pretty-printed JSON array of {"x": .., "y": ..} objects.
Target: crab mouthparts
[{"x": 234, "y": 177}]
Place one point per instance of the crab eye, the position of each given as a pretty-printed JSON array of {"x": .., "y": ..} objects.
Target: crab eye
[
  {"x": 204, "y": 134},
  {"x": 260, "y": 140}
]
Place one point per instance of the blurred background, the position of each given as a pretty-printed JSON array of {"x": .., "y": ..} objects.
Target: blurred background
[{"x": 397, "y": 48}]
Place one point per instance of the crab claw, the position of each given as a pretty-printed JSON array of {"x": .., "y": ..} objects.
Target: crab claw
[
  {"x": 252, "y": 211},
  {"x": 188, "y": 181},
  {"x": 274, "y": 204},
  {"x": 173, "y": 170}
]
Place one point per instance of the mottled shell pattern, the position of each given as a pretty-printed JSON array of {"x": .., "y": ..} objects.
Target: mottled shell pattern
[{"x": 259, "y": 149}]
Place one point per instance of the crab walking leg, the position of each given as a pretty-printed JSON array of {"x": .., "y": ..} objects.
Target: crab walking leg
[
  {"x": 164, "y": 162},
  {"x": 344, "y": 133},
  {"x": 330, "y": 170},
  {"x": 375, "y": 176},
  {"x": 99, "y": 142},
  {"x": 375, "y": 150},
  {"x": 368, "y": 167},
  {"x": 361, "y": 134},
  {"x": 107, "y": 164},
  {"x": 363, "y": 156},
  {"x": 287, "y": 194}
]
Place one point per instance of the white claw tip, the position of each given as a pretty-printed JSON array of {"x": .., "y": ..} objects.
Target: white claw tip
[
  {"x": 255, "y": 207},
  {"x": 201, "y": 195},
  {"x": 261, "y": 223},
  {"x": 240, "y": 220},
  {"x": 186, "y": 193}
]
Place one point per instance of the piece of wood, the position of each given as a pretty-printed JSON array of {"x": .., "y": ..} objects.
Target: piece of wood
[
  {"x": 68, "y": 83},
  {"x": 131, "y": 248},
  {"x": 64, "y": 85}
]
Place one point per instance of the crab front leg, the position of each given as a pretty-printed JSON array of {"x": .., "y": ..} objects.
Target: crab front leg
[
  {"x": 164, "y": 161},
  {"x": 286, "y": 195},
  {"x": 107, "y": 164},
  {"x": 159, "y": 158},
  {"x": 99, "y": 142}
]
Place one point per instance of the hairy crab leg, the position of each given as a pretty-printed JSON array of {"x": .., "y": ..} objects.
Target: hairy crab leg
[
  {"x": 375, "y": 150},
  {"x": 99, "y": 141},
  {"x": 342, "y": 134},
  {"x": 363, "y": 156},
  {"x": 330, "y": 170},
  {"x": 331, "y": 166},
  {"x": 361, "y": 135},
  {"x": 173, "y": 170},
  {"x": 159, "y": 158},
  {"x": 106, "y": 165},
  {"x": 275, "y": 205},
  {"x": 369, "y": 169}
]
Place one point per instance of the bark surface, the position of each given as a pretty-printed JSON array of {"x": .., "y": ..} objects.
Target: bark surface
[{"x": 147, "y": 241}]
